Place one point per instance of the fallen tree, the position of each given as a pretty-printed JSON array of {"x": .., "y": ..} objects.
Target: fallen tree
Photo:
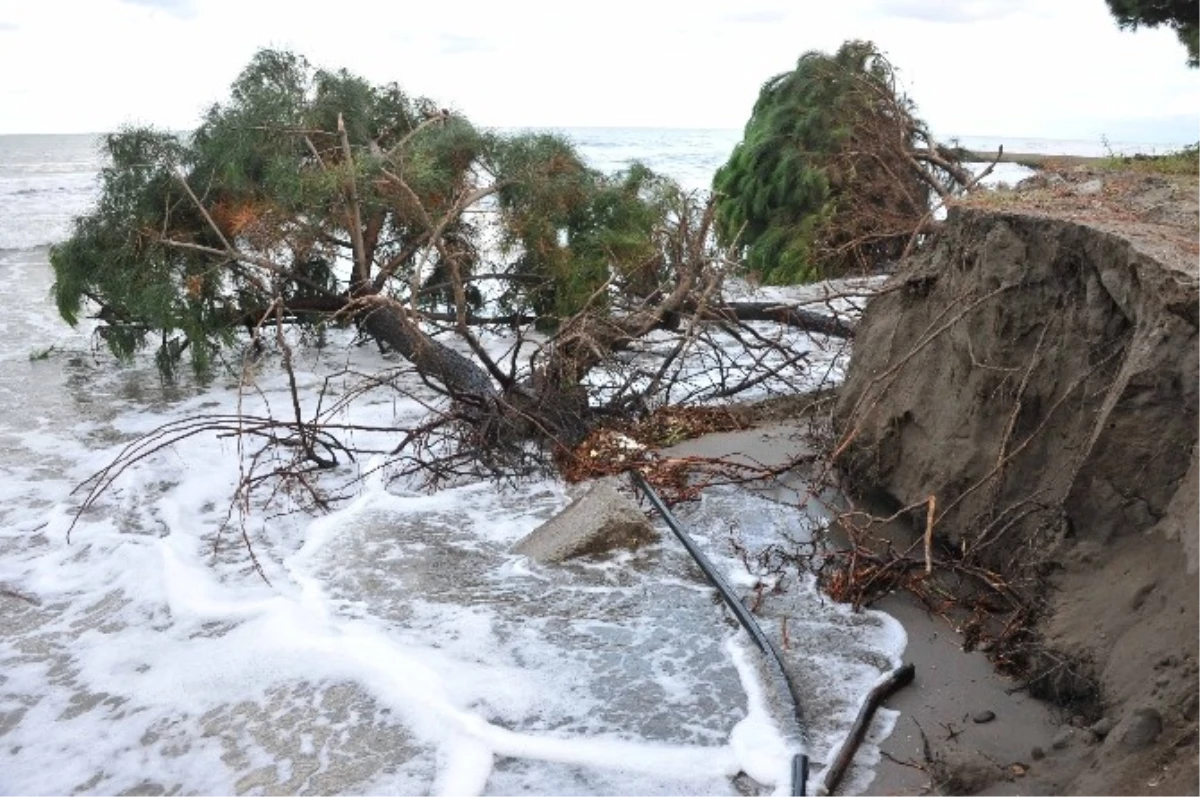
[
  {"x": 835, "y": 174},
  {"x": 311, "y": 198}
]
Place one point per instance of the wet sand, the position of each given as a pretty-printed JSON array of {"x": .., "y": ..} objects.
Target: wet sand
[{"x": 952, "y": 688}]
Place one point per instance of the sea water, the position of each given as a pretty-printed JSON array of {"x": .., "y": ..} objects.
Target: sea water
[{"x": 394, "y": 644}]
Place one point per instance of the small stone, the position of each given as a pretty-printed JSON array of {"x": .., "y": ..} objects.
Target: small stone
[
  {"x": 1139, "y": 597},
  {"x": 1192, "y": 708},
  {"x": 1090, "y": 188},
  {"x": 1139, "y": 729},
  {"x": 1102, "y": 727},
  {"x": 1037, "y": 754},
  {"x": 1063, "y": 738},
  {"x": 981, "y": 717}
]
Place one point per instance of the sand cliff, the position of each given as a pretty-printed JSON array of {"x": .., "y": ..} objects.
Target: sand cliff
[{"x": 1036, "y": 370}]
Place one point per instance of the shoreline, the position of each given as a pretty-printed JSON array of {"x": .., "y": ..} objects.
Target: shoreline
[
  {"x": 951, "y": 685},
  {"x": 945, "y": 711}
]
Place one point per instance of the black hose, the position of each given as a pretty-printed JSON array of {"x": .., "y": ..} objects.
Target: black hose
[
  {"x": 743, "y": 615},
  {"x": 898, "y": 678}
]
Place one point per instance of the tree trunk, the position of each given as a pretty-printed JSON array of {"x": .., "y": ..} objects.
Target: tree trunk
[
  {"x": 462, "y": 378},
  {"x": 541, "y": 410},
  {"x": 808, "y": 320},
  {"x": 551, "y": 407}
]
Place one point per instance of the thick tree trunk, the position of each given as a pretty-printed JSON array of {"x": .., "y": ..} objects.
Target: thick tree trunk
[
  {"x": 807, "y": 320},
  {"x": 546, "y": 411},
  {"x": 461, "y": 377}
]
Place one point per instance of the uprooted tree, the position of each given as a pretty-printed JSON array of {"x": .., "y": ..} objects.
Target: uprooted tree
[
  {"x": 311, "y": 198},
  {"x": 835, "y": 173}
]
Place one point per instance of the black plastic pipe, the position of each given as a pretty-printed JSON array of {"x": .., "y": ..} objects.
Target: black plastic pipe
[
  {"x": 743, "y": 615},
  {"x": 898, "y": 678}
]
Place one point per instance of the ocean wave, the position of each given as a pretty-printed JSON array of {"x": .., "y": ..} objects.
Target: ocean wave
[
  {"x": 53, "y": 189},
  {"x": 8, "y": 253},
  {"x": 29, "y": 240},
  {"x": 30, "y": 227}
]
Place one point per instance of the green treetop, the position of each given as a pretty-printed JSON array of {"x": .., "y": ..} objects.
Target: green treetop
[
  {"x": 834, "y": 173},
  {"x": 1181, "y": 16},
  {"x": 308, "y": 190}
]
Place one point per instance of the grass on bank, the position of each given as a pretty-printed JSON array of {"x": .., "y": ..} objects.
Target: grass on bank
[
  {"x": 1185, "y": 161},
  {"x": 1180, "y": 162}
]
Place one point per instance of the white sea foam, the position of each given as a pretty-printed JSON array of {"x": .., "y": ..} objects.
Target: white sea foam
[
  {"x": 398, "y": 646},
  {"x": 398, "y": 622}
]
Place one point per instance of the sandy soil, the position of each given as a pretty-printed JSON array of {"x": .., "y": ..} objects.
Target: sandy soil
[{"x": 1075, "y": 485}]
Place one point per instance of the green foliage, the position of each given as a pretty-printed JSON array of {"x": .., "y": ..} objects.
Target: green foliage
[
  {"x": 111, "y": 253},
  {"x": 269, "y": 174},
  {"x": 816, "y": 151},
  {"x": 576, "y": 229},
  {"x": 1184, "y": 161},
  {"x": 1181, "y": 16}
]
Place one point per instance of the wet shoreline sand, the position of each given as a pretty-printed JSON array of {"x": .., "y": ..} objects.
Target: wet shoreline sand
[{"x": 952, "y": 689}]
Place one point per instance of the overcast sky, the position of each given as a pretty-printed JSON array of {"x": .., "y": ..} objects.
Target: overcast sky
[{"x": 1038, "y": 68}]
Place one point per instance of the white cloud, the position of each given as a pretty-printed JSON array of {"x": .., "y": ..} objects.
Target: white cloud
[
  {"x": 453, "y": 45},
  {"x": 955, "y": 12},
  {"x": 182, "y": 8},
  {"x": 974, "y": 67},
  {"x": 757, "y": 16}
]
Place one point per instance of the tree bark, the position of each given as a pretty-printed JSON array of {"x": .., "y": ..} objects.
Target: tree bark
[
  {"x": 547, "y": 411},
  {"x": 808, "y": 320},
  {"x": 388, "y": 322}
]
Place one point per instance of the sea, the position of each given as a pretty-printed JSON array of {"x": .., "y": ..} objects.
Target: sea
[{"x": 393, "y": 644}]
